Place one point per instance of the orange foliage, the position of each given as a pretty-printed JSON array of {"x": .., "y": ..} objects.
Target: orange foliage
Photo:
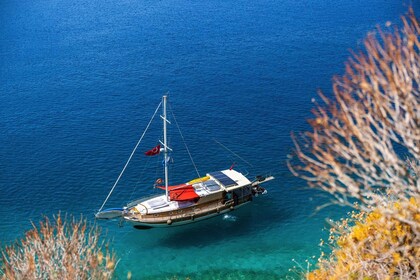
[
  {"x": 60, "y": 250},
  {"x": 351, "y": 153},
  {"x": 375, "y": 246}
]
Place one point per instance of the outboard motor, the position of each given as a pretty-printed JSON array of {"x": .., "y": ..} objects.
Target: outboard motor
[{"x": 257, "y": 189}]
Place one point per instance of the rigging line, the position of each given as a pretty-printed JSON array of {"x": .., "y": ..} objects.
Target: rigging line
[
  {"x": 183, "y": 140},
  {"x": 235, "y": 154},
  {"x": 128, "y": 161},
  {"x": 139, "y": 179}
]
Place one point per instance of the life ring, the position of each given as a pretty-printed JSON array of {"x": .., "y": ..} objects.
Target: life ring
[{"x": 158, "y": 181}]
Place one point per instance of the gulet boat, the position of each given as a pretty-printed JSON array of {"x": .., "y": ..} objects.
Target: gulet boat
[{"x": 201, "y": 198}]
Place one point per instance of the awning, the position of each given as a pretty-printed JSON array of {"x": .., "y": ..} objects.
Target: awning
[{"x": 185, "y": 193}]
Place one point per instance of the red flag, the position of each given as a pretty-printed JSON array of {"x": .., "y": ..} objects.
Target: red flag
[{"x": 153, "y": 152}]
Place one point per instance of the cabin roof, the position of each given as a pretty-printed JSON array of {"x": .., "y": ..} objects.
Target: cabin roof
[{"x": 229, "y": 179}]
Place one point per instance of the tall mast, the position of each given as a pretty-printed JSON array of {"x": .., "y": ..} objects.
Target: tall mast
[{"x": 165, "y": 147}]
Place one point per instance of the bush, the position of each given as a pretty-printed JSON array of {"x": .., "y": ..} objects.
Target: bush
[
  {"x": 360, "y": 140},
  {"x": 357, "y": 151},
  {"x": 59, "y": 250},
  {"x": 372, "y": 246}
]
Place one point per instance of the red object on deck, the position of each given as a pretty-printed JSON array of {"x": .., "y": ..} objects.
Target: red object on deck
[{"x": 185, "y": 193}]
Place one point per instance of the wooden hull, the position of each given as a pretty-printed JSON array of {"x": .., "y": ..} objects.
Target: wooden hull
[
  {"x": 184, "y": 216},
  {"x": 223, "y": 192}
]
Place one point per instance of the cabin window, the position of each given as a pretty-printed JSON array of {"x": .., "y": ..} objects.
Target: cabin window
[
  {"x": 238, "y": 193},
  {"x": 247, "y": 191},
  {"x": 228, "y": 195}
]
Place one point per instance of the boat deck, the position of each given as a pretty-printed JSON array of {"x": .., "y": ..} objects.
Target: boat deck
[
  {"x": 220, "y": 192},
  {"x": 160, "y": 204}
]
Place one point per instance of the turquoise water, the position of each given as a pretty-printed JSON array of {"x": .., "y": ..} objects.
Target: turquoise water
[{"x": 79, "y": 81}]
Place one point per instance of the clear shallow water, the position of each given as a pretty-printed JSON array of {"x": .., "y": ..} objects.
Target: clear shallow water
[{"x": 79, "y": 81}]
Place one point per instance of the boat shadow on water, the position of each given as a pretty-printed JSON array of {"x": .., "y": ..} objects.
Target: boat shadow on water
[{"x": 242, "y": 222}]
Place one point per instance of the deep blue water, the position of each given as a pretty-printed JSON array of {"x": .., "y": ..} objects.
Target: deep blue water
[{"x": 79, "y": 81}]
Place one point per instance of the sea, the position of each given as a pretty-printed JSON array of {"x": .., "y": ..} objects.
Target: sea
[{"x": 80, "y": 80}]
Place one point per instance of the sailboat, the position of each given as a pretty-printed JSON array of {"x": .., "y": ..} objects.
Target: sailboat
[{"x": 201, "y": 198}]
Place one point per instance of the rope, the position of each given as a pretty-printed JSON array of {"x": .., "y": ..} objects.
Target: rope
[
  {"x": 235, "y": 154},
  {"x": 185, "y": 144},
  {"x": 128, "y": 161}
]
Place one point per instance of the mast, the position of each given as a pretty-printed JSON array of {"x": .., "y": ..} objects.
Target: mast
[{"x": 165, "y": 147}]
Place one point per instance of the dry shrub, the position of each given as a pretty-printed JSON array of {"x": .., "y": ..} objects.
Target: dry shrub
[
  {"x": 58, "y": 250},
  {"x": 351, "y": 150},
  {"x": 358, "y": 149},
  {"x": 373, "y": 246}
]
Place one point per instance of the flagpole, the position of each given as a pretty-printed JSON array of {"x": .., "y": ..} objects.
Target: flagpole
[{"x": 165, "y": 147}]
